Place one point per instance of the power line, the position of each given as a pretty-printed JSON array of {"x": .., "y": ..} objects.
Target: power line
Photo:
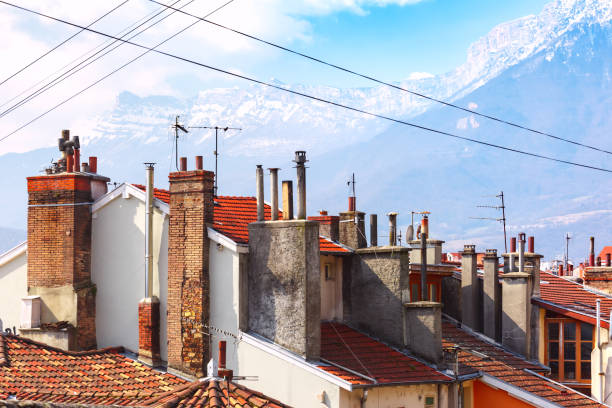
[
  {"x": 399, "y": 121},
  {"x": 107, "y": 41},
  {"x": 62, "y": 43},
  {"x": 148, "y": 49},
  {"x": 82, "y": 65},
  {"x": 370, "y": 78}
]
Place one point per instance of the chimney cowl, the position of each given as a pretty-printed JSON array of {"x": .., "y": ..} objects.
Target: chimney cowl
[
  {"x": 300, "y": 157},
  {"x": 491, "y": 253},
  {"x": 469, "y": 249}
]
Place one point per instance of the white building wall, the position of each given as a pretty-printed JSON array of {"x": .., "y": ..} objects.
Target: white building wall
[
  {"x": 13, "y": 286},
  {"x": 397, "y": 396},
  {"x": 224, "y": 300},
  {"x": 117, "y": 269}
]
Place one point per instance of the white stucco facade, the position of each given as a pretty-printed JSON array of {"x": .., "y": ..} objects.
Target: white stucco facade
[
  {"x": 13, "y": 285},
  {"x": 117, "y": 266}
]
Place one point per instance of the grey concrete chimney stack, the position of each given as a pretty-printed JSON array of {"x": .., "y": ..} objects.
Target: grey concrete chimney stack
[
  {"x": 274, "y": 193},
  {"x": 300, "y": 160},
  {"x": 491, "y": 296},
  {"x": 521, "y": 255},
  {"x": 470, "y": 304},
  {"x": 373, "y": 230},
  {"x": 392, "y": 228},
  {"x": 287, "y": 200},
  {"x": 260, "y": 192}
]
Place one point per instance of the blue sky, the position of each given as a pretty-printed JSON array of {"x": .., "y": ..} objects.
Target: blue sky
[{"x": 391, "y": 42}]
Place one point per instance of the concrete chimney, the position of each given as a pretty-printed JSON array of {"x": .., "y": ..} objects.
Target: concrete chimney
[
  {"x": 598, "y": 261},
  {"x": 470, "y": 294},
  {"x": 592, "y": 252},
  {"x": 93, "y": 164},
  {"x": 274, "y": 193},
  {"x": 491, "y": 296},
  {"x": 287, "y": 200},
  {"x": 513, "y": 244},
  {"x": 373, "y": 230},
  {"x": 300, "y": 160},
  {"x": 392, "y": 228},
  {"x": 531, "y": 245},
  {"x": 259, "y": 186},
  {"x": 329, "y": 225},
  {"x": 183, "y": 165},
  {"x": 521, "y": 252}
]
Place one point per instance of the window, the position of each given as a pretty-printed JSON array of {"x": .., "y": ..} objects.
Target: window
[
  {"x": 569, "y": 346},
  {"x": 433, "y": 292},
  {"x": 330, "y": 274}
]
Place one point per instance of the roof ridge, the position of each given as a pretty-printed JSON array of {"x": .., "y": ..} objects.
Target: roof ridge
[{"x": 114, "y": 350}]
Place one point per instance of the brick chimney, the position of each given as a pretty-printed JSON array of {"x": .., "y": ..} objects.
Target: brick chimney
[
  {"x": 329, "y": 225},
  {"x": 59, "y": 247},
  {"x": 191, "y": 210},
  {"x": 352, "y": 227},
  {"x": 284, "y": 278}
]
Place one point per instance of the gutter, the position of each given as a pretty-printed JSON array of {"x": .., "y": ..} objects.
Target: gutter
[{"x": 583, "y": 317}]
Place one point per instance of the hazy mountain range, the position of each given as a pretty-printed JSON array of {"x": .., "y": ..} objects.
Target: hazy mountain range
[{"x": 550, "y": 72}]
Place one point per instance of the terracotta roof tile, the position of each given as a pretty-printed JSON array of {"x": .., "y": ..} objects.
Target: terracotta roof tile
[
  {"x": 572, "y": 299},
  {"x": 37, "y": 372},
  {"x": 233, "y": 215},
  {"x": 213, "y": 393},
  {"x": 507, "y": 367},
  {"x": 340, "y": 344}
]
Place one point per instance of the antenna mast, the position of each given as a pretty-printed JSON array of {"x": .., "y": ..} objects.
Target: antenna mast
[
  {"x": 177, "y": 127},
  {"x": 216, "y": 152},
  {"x": 501, "y": 207}
]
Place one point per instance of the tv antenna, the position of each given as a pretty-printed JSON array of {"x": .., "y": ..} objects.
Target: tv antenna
[
  {"x": 216, "y": 152},
  {"x": 177, "y": 126},
  {"x": 501, "y": 207}
]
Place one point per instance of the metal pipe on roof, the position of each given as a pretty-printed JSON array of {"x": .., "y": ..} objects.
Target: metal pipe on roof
[
  {"x": 392, "y": 228},
  {"x": 521, "y": 254},
  {"x": 373, "y": 230},
  {"x": 300, "y": 160},
  {"x": 423, "y": 266},
  {"x": 149, "y": 231},
  {"x": 592, "y": 252},
  {"x": 602, "y": 374},
  {"x": 274, "y": 193},
  {"x": 259, "y": 185}
]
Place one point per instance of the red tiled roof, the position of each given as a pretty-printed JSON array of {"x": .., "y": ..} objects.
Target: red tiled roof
[
  {"x": 340, "y": 344},
  {"x": 604, "y": 251},
  {"x": 37, "y": 372},
  {"x": 233, "y": 215},
  {"x": 572, "y": 299},
  {"x": 213, "y": 394},
  {"x": 508, "y": 368}
]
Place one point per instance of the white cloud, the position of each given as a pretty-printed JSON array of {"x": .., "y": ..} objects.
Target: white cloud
[
  {"x": 415, "y": 76},
  {"x": 472, "y": 105},
  {"x": 24, "y": 37}
]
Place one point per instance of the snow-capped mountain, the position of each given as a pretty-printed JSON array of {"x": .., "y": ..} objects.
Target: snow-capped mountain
[{"x": 550, "y": 72}]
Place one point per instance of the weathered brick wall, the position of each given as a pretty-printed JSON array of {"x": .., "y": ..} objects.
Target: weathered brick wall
[
  {"x": 599, "y": 278},
  {"x": 148, "y": 331},
  {"x": 59, "y": 237},
  {"x": 191, "y": 209},
  {"x": 59, "y": 244}
]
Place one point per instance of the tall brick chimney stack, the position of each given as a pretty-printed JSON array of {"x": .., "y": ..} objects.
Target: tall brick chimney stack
[
  {"x": 59, "y": 246},
  {"x": 191, "y": 210}
]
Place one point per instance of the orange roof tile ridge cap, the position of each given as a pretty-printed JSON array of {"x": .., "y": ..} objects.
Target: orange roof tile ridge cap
[
  {"x": 491, "y": 342},
  {"x": 531, "y": 372},
  {"x": 106, "y": 350},
  {"x": 337, "y": 243},
  {"x": 403, "y": 352}
]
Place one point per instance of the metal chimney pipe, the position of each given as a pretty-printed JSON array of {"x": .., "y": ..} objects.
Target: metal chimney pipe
[
  {"x": 392, "y": 228},
  {"x": 351, "y": 206},
  {"x": 300, "y": 160},
  {"x": 183, "y": 163},
  {"x": 423, "y": 266},
  {"x": 425, "y": 225},
  {"x": 599, "y": 261},
  {"x": 592, "y": 252},
  {"x": 513, "y": 244},
  {"x": 93, "y": 164},
  {"x": 149, "y": 231},
  {"x": 608, "y": 260},
  {"x": 560, "y": 269},
  {"x": 259, "y": 186},
  {"x": 274, "y": 192},
  {"x": 531, "y": 245},
  {"x": 199, "y": 161},
  {"x": 77, "y": 160},
  {"x": 373, "y": 230},
  {"x": 70, "y": 163},
  {"x": 521, "y": 252},
  {"x": 287, "y": 200}
]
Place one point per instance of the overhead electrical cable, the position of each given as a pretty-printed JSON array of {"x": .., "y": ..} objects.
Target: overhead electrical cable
[
  {"x": 103, "y": 43},
  {"x": 83, "y": 64},
  {"x": 370, "y": 78},
  {"x": 403, "y": 122},
  {"x": 62, "y": 43}
]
